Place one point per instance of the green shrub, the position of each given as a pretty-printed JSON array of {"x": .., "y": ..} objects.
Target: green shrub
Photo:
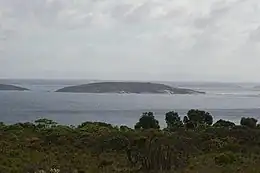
[
  {"x": 225, "y": 158},
  {"x": 223, "y": 123},
  {"x": 248, "y": 122}
]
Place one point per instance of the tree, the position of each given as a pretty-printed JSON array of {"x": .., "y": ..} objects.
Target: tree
[
  {"x": 198, "y": 117},
  {"x": 99, "y": 124},
  {"x": 223, "y": 123},
  {"x": 185, "y": 120},
  {"x": 147, "y": 121},
  {"x": 125, "y": 129},
  {"x": 248, "y": 122},
  {"x": 208, "y": 119},
  {"x": 173, "y": 120}
]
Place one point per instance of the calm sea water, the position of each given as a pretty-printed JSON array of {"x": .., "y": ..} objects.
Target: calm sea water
[{"x": 226, "y": 101}]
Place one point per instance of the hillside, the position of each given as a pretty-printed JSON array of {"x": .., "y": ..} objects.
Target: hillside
[
  {"x": 193, "y": 145},
  {"x": 127, "y": 87}
]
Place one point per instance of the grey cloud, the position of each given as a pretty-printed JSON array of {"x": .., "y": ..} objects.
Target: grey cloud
[
  {"x": 255, "y": 35},
  {"x": 131, "y": 39},
  {"x": 120, "y": 10},
  {"x": 217, "y": 11}
]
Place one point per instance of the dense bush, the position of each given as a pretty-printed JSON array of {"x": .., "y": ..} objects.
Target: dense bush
[
  {"x": 147, "y": 121},
  {"x": 173, "y": 120},
  {"x": 248, "y": 122},
  {"x": 195, "y": 118},
  {"x": 100, "y": 147},
  {"x": 225, "y": 158},
  {"x": 223, "y": 123}
]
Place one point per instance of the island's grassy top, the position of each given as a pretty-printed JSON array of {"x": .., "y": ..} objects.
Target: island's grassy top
[
  {"x": 126, "y": 87},
  {"x": 12, "y": 88},
  {"x": 193, "y": 145}
]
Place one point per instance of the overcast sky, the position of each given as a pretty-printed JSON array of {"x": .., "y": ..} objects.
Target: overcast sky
[{"x": 206, "y": 40}]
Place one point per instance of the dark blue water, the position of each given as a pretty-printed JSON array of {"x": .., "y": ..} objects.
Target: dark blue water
[{"x": 228, "y": 102}]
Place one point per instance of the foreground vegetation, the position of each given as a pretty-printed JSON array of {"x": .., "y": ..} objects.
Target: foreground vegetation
[{"x": 191, "y": 145}]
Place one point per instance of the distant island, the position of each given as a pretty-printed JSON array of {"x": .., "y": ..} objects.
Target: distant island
[
  {"x": 257, "y": 87},
  {"x": 4, "y": 87},
  {"x": 127, "y": 87}
]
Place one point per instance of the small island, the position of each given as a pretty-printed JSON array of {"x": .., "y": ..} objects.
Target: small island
[
  {"x": 257, "y": 87},
  {"x": 5, "y": 87},
  {"x": 127, "y": 87}
]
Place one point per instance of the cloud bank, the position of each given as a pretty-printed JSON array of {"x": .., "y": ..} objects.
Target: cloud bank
[{"x": 130, "y": 39}]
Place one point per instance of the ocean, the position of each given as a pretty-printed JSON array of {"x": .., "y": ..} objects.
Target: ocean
[{"x": 229, "y": 101}]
